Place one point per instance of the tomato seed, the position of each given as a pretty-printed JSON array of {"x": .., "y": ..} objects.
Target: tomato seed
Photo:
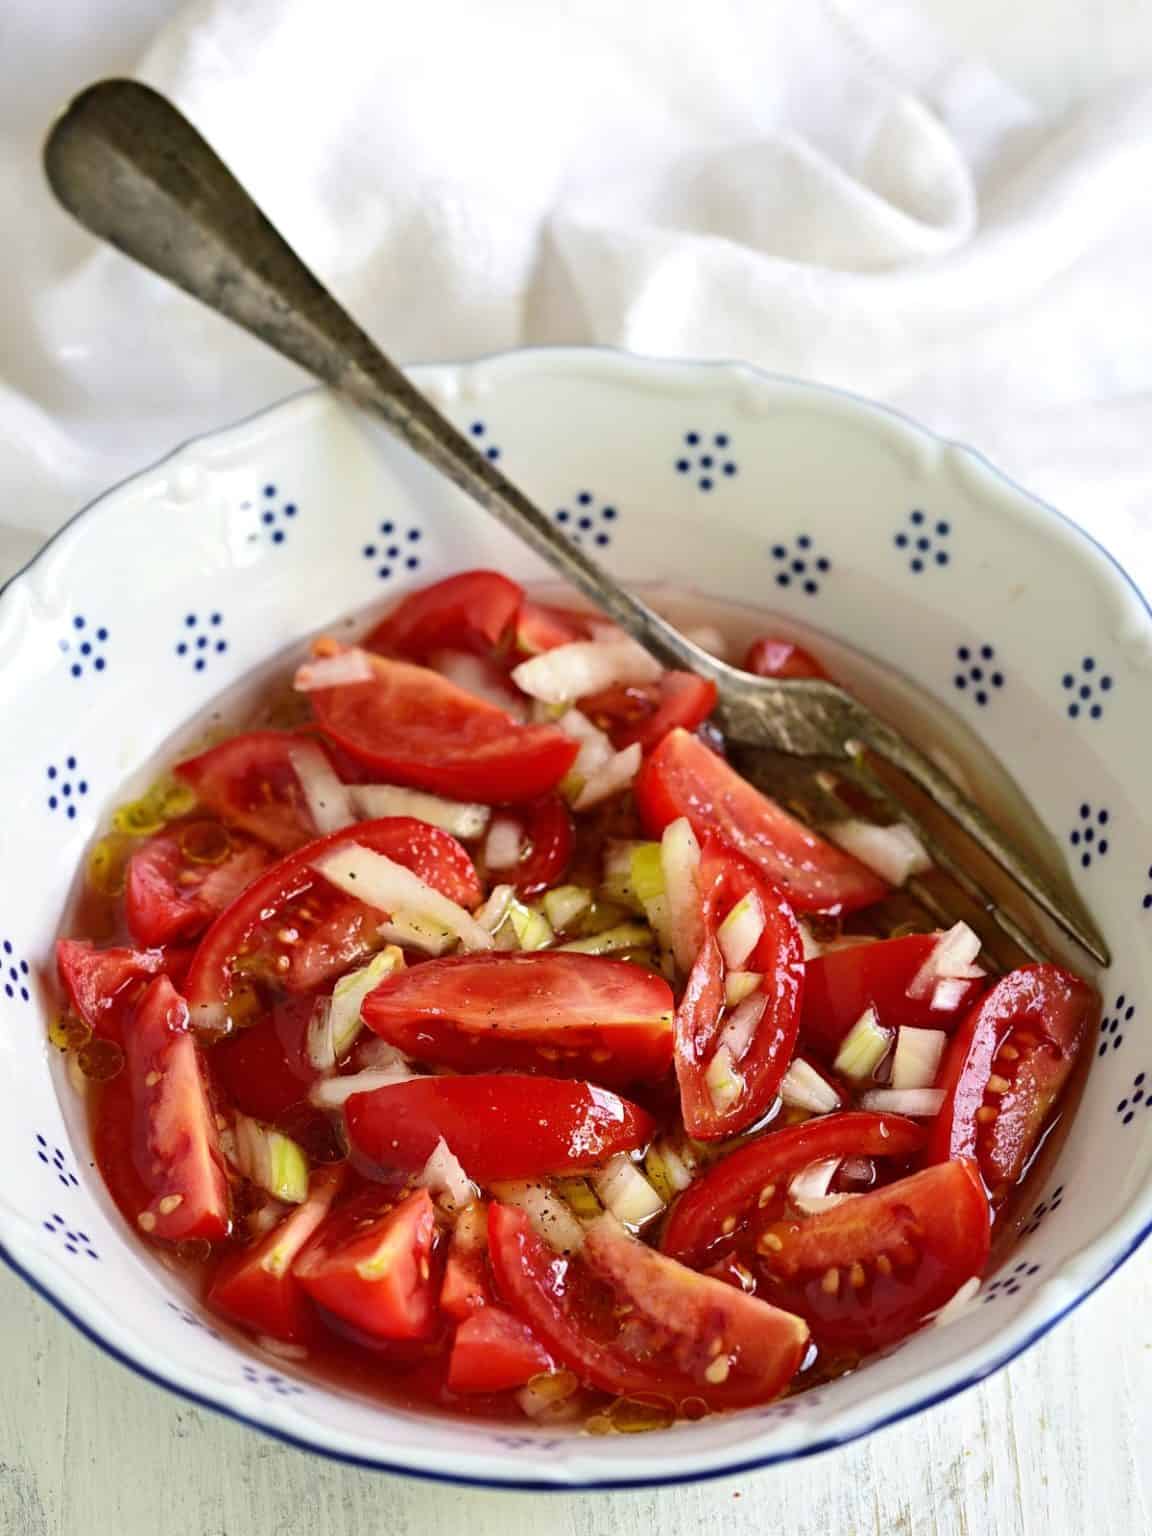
[
  {"x": 146, "y": 1221},
  {"x": 998, "y": 1084},
  {"x": 169, "y": 1204},
  {"x": 766, "y": 1194},
  {"x": 986, "y": 1113},
  {"x": 770, "y": 1243},
  {"x": 857, "y": 1276},
  {"x": 830, "y": 1284},
  {"x": 883, "y": 1265},
  {"x": 718, "y": 1371}
]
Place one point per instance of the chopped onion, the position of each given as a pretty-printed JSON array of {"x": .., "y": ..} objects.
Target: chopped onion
[
  {"x": 350, "y": 666},
  {"x": 328, "y": 799},
  {"x": 548, "y": 1214},
  {"x": 271, "y": 1160},
  {"x": 582, "y": 667},
  {"x": 610, "y": 941},
  {"x": 739, "y": 933},
  {"x": 551, "y": 1397},
  {"x": 904, "y": 1101},
  {"x": 680, "y": 862},
  {"x": 333, "y": 1092},
  {"x": 670, "y": 1168},
  {"x": 724, "y": 1083},
  {"x": 813, "y": 949},
  {"x": 957, "y": 1306},
  {"x": 460, "y": 817},
  {"x": 376, "y": 1055},
  {"x": 894, "y": 853},
  {"x": 615, "y": 776},
  {"x": 493, "y": 912},
  {"x": 505, "y": 843},
  {"x": 947, "y": 995},
  {"x": 382, "y": 883},
  {"x": 596, "y": 748},
  {"x": 480, "y": 678},
  {"x": 350, "y": 992},
  {"x": 740, "y": 984},
  {"x": 531, "y": 929},
  {"x": 414, "y": 931},
  {"x": 740, "y": 1025},
  {"x": 321, "y": 1042},
  {"x": 443, "y": 1175},
  {"x": 864, "y": 1047},
  {"x": 709, "y": 639},
  {"x": 917, "y": 1059},
  {"x": 563, "y": 904},
  {"x": 626, "y": 1192},
  {"x": 809, "y": 1189},
  {"x": 804, "y": 1088},
  {"x": 952, "y": 956}
]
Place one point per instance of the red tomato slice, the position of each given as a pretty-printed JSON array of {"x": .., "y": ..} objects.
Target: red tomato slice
[
  {"x": 466, "y": 1286},
  {"x": 102, "y": 984},
  {"x": 249, "y": 781},
  {"x": 378, "y": 1276},
  {"x": 841, "y": 984},
  {"x": 628, "y": 1319},
  {"x": 415, "y": 727},
  {"x": 780, "y": 658},
  {"x": 646, "y": 714},
  {"x": 263, "y": 1069},
  {"x": 499, "y": 1127},
  {"x": 493, "y": 1352},
  {"x": 725, "y": 879},
  {"x": 256, "y": 1287},
  {"x": 540, "y": 627},
  {"x": 295, "y": 928},
  {"x": 713, "y": 1213},
  {"x": 469, "y": 612},
  {"x": 547, "y": 847},
  {"x": 1005, "y": 1068},
  {"x": 683, "y": 777},
  {"x": 181, "y": 878},
  {"x": 177, "y": 1151},
  {"x": 568, "y": 1015},
  {"x": 870, "y": 1270}
]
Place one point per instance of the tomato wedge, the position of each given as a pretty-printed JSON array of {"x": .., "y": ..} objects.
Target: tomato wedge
[
  {"x": 415, "y": 727},
  {"x": 712, "y": 1215},
  {"x": 683, "y": 777},
  {"x": 840, "y": 985},
  {"x": 177, "y": 1153},
  {"x": 376, "y": 1272},
  {"x": 547, "y": 837},
  {"x": 870, "y": 1270},
  {"x": 645, "y": 714},
  {"x": 493, "y": 1352},
  {"x": 294, "y": 928},
  {"x": 263, "y": 1069},
  {"x": 466, "y": 1285},
  {"x": 256, "y": 1287},
  {"x": 469, "y": 612},
  {"x": 178, "y": 881},
  {"x": 629, "y": 1319},
  {"x": 1005, "y": 1068},
  {"x": 499, "y": 1127},
  {"x": 250, "y": 783},
  {"x": 568, "y": 1015},
  {"x": 541, "y": 627},
  {"x": 102, "y": 984},
  {"x": 768, "y": 657},
  {"x": 760, "y": 1060}
]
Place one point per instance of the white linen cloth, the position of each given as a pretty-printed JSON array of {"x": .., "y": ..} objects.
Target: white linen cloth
[{"x": 820, "y": 187}]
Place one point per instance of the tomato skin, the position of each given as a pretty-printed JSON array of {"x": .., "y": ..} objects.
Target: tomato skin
[
  {"x": 542, "y": 627},
  {"x": 840, "y": 985},
  {"x": 646, "y": 714},
  {"x": 494, "y": 1352},
  {"x": 676, "y": 1316},
  {"x": 431, "y": 853},
  {"x": 1042, "y": 1014},
  {"x": 415, "y": 727},
  {"x": 548, "y": 832},
  {"x": 472, "y": 611},
  {"x": 169, "y": 897},
  {"x": 250, "y": 783},
  {"x": 466, "y": 1285},
  {"x": 932, "y": 1231},
  {"x": 725, "y": 879},
  {"x": 102, "y": 984},
  {"x": 731, "y": 1188},
  {"x": 566, "y": 1015},
  {"x": 503, "y": 1126},
  {"x": 378, "y": 1278},
  {"x": 256, "y": 1286},
  {"x": 683, "y": 777},
  {"x": 263, "y": 1069},
  {"x": 767, "y": 657},
  {"x": 176, "y": 1145}
]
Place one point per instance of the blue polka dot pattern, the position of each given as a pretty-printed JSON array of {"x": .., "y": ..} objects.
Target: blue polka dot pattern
[
  {"x": 275, "y": 516},
  {"x": 65, "y": 787},
  {"x": 1089, "y": 837},
  {"x": 201, "y": 638},
  {"x": 1047, "y": 1206},
  {"x": 1138, "y": 1097},
  {"x": 74, "y": 1241},
  {"x": 1085, "y": 690},
  {"x": 478, "y": 431},
  {"x": 799, "y": 566},
  {"x": 281, "y": 1385},
  {"x": 53, "y": 1157},
  {"x": 1113, "y": 1024},
  {"x": 15, "y": 974},
  {"x": 977, "y": 674},
  {"x": 191, "y": 1319},
  {"x": 585, "y": 519},
  {"x": 83, "y": 647},
  {"x": 1009, "y": 1283},
  {"x": 393, "y": 550},
  {"x": 924, "y": 540},
  {"x": 707, "y": 458}
]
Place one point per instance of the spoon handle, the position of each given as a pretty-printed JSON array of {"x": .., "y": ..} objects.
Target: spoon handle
[{"x": 132, "y": 169}]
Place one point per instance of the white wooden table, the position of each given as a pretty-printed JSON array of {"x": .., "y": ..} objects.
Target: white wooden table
[{"x": 1057, "y": 1443}]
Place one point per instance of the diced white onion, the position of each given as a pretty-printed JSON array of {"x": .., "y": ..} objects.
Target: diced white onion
[
  {"x": 334, "y": 1092},
  {"x": 950, "y": 957},
  {"x": 495, "y": 909},
  {"x": 894, "y": 853},
  {"x": 809, "y": 1189},
  {"x": 739, "y": 933},
  {"x": 947, "y": 995},
  {"x": 548, "y": 1213},
  {"x": 321, "y": 1042},
  {"x": 460, "y": 817},
  {"x": 610, "y": 941},
  {"x": 615, "y": 776},
  {"x": 596, "y": 748},
  {"x": 350, "y": 666},
  {"x": 903, "y": 1101},
  {"x": 479, "y": 678},
  {"x": 443, "y": 1175},
  {"x": 504, "y": 844},
  {"x": 349, "y": 994},
  {"x": 709, "y": 639},
  {"x": 392, "y": 888},
  {"x": 415, "y": 931},
  {"x": 740, "y": 984},
  {"x": 565, "y": 903},
  {"x": 917, "y": 1059},
  {"x": 740, "y": 1025},
  {"x": 957, "y": 1306},
  {"x": 680, "y": 861},
  {"x": 804, "y": 1088},
  {"x": 626, "y": 1192},
  {"x": 676, "y": 1164},
  {"x": 864, "y": 1047},
  {"x": 724, "y": 1083},
  {"x": 582, "y": 667},
  {"x": 328, "y": 799},
  {"x": 813, "y": 949}
]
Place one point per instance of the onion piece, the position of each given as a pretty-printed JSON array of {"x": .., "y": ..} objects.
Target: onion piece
[
  {"x": 415, "y": 931},
  {"x": 495, "y": 909},
  {"x": 504, "y": 844},
  {"x": 479, "y": 678},
  {"x": 947, "y": 995},
  {"x": 813, "y": 949},
  {"x": 271, "y": 1160},
  {"x": 709, "y": 639},
  {"x": 740, "y": 1025},
  {"x": 327, "y": 797},
  {"x": 957, "y": 1306},
  {"x": 724, "y": 1083},
  {"x": 952, "y": 956},
  {"x": 392, "y": 888},
  {"x": 610, "y": 941},
  {"x": 443, "y": 1175},
  {"x": 615, "y": 777},
  {"x": 739, "y": 933},
  {"x": 864, "y": 1047},
  {"x": 596, "y": 748},
  {"x": 551, "y": 1397},
  {"x": 350, "y": 666},
  {"x": 804, "y": 1088},
  {"x": 320, "y": 1039},
  {"x": 808, "y": 1191},
  {"x": 460, "y": 817},
  {"x": 894, "y": 853},
  {"x": 680, "y": 862},
  {"x": 917, "y": 1059},
  {"x": 549, "y": 1215},
  {"x": 670, "y": 1168},
  {"x": 584, "y": 666},
  {"x": 333, "y": 1092},
  {"x": 626, "y": 1192},
  {"x": 740, "y": 984},
  {"x": 563, "y": 904},
  {"x": 914, "y": 1102}
]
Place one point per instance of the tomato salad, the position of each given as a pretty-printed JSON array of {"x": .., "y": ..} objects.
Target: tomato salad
[{"x": 474, "y": 1028}]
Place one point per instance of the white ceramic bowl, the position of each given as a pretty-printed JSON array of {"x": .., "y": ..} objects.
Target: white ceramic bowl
[{"x": 766, "y": 491}]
